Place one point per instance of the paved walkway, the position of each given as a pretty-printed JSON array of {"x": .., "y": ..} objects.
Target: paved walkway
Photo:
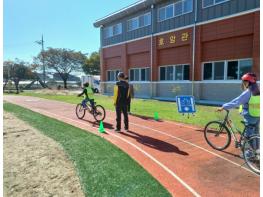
[{"x": 175, "y": 154}]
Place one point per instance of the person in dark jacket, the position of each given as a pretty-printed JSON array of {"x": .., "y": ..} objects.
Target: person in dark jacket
[{"x": 121, "y": 99}]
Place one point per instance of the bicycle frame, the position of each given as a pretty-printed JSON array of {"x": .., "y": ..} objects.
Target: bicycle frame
[{"x": 230, "y": 126}]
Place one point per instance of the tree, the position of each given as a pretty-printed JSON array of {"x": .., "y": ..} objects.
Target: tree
[
  {"x": 63, "y": 61},
  {"x": 16, "y": 71},
  {"x": 92, "y": 64}
]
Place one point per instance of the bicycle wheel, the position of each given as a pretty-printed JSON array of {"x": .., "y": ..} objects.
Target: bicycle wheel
[
  {"x": 99, "y": 113},
  {"x": 217, "y": 135},
  {"x": 251, "y": 153},
  {"x": 80, "y": 111}
]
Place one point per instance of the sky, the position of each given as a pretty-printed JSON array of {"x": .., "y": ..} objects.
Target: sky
[{"x": 63, "y": 23}]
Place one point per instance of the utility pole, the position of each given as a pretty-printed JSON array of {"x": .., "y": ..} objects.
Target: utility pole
[{"x": 41, "y": 42}]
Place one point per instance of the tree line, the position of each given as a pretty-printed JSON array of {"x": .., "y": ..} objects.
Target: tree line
[{"x": 59, "y": 60}]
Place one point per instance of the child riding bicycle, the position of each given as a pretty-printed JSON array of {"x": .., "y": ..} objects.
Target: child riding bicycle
[
  {"x": 249, "y": 102},
  {"x": 86, "y": 92}
]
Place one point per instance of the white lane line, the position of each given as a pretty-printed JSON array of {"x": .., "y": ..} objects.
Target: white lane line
[
  {"x": 189, "y": 143},
  {"x": 160, "y": 164},
  {"x": 130, "y": 143}
]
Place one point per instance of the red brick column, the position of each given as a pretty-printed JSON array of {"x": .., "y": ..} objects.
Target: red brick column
[
  {"x": 256, "y": 45},
  {"x": 198, "y": 54},
  {"x": 124, "y": 59},
  {"x": 154, "y": 60}
]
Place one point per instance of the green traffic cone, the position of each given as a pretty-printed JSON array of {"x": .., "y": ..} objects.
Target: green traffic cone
[
  {"x": 101, "y": 129},
  {"x": 156, "y": 117}
]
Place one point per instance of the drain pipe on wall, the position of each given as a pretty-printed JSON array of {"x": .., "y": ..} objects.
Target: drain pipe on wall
[{"x": 193, "y": 49}]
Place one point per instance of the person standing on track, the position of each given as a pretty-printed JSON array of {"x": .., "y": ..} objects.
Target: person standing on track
[{"x": 121, "y": 100}]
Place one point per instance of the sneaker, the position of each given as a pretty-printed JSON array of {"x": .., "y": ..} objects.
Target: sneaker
[
  {"x": 117, "y": 130},
  {"x": 126, "y": 129}
]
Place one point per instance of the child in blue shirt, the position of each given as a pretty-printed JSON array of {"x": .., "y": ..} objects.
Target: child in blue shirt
[{"x": 250, "y": 110}]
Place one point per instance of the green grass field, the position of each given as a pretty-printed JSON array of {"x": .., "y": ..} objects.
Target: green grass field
[
  {"x": 104, "y": 170},
  {"x": 166, "y": 110}
]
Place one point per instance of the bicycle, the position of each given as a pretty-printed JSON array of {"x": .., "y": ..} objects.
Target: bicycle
[
  {"x": 218, "y": 135},
  {"x": 97, "y": 111}
]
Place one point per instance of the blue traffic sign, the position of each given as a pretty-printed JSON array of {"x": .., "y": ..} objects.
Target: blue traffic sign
[{"x": 185, "y": 104}]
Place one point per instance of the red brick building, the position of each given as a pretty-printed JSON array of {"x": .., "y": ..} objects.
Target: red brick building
[{"x": 203, "y": 57}]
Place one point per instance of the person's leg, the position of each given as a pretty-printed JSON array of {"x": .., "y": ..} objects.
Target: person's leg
[
  {"x": 118, "y": 117},
  {"x": 129, "y": 106},
  {"x": 252, "y": 128},
  {"x": 125, "y": 114},
  {"x": 84, "y": 103},
  {"x": 92, "y": 103}
]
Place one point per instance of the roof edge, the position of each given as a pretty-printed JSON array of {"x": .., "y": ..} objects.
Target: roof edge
[{"x": 118, "y": 14}]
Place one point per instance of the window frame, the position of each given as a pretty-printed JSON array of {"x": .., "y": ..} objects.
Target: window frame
[
  {"x": 214, "y": 3},
  {"x": 174, "y": 72},
  {"x": 120, "y": 25},
  {"x": 115, "y": 76},
  {"x": 112, "y": 30},
  {"x": 140, "y": 74},
  {"x": 225, "y": 69},
  {"x": 173, "y": 4},
  {"x": 138, "y": 19}
]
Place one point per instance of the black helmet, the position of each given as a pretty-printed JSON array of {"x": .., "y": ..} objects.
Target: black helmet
[{"x": 121, "y": 75}]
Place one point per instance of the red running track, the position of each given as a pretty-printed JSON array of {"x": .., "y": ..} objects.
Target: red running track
[{"x": 175, "y": 154}]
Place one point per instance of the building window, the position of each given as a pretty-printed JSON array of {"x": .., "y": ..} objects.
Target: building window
[
  {"x": 178, "y": 72},
  {"x": 112, "y": 75},
  {"x": 113, "y": 30},
  {"x": 187, "y": 6},
  {"x": 208, "y": 67},
  {"x": 117, "y": 29},
  {"x": 146, "y": 20},
  {"x": 232, "y": 70},
  {"x": 176, "y": 9},
  {"x": 226, "y": 70},
  {"x": 174, "y": 72},
  {"x": 109, "y": 32},
  {"x": 244, "y": 67},
  {"x": 133, "y": 24},
  {"x": 162, "y": 14},
  {"x": 208, "y": 3},
  {"x": 219, "y": 70},
  {"x": 140, "y": 74},
  {"x": 140, "y": 21}
]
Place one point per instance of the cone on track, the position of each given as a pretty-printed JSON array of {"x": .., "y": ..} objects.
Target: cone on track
[
  {"x": 101, "y": 128},
  {"x": 156, "y": 116}
]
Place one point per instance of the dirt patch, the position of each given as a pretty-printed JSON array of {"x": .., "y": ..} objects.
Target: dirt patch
[{"x": 35, "y": 165}]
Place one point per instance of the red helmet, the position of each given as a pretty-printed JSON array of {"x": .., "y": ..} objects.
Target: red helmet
[{"x": 251, "y": 77}]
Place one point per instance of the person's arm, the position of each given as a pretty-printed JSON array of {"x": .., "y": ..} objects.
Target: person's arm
[
  {"x": 84, "y": 91},
  {"x": 115, "y": 94},
  {"x": 236, "y": 102},
  {"x": 128, "y": 93}
]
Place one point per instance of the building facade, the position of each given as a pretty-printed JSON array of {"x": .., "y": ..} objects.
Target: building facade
[{"x": 181, "y": 47}]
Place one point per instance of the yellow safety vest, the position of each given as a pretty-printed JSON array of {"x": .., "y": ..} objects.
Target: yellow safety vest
[{"x": 254, "y": 106}]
